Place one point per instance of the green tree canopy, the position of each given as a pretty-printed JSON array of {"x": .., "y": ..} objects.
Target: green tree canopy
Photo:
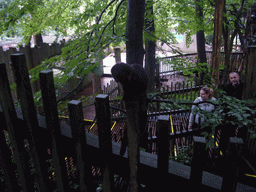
[{"x": 93, "y": 25}]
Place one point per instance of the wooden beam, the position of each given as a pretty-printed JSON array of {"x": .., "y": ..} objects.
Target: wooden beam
[
  {"x": 53, "y": 125},
  {"x": 232, "y": 163},
  {"x": 163, "y": 143},
  {"x": 198, "y": 162},
  {"x": 133, "y": 131},
  {"x": 105, "y": 144},
  {"x": 25, "y": 95},
  {"x": 250, "y": 79},
  {"x": 178, "y": 173},
  {"x": 78, "y": 134}
]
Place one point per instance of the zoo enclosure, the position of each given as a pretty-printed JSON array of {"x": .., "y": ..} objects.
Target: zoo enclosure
[
  {"x": 182, "y": 90},
  {"x": 72, "y": 141}
]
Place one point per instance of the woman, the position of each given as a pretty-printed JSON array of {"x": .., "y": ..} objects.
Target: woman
[{"x": 205, "y": 94}]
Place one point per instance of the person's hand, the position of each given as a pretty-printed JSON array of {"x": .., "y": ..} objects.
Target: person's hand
[{"x": 189, "y": 127}]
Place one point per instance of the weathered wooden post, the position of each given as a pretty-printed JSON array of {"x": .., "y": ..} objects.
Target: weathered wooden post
[
  {"x": 217, "y": 40},
  {"x": 198, "y": 162},
  {"x": 29, "y": 113},
  {"x": 133, "y": 131},
  {"x": 96, "y": 81},
  {"x": 10, "y": 117},
  {"x": 250, "y": 78},
  {"x": 150, "y": 140},
  {"x": 78, "y": 134},
  {"x": 117, "y": 52},
  {"x": 53, "y": 125},
  {"x": 163, "y": 143},
  {"x": 232, "y": 163},
  {"x": 105, "y": 142}
]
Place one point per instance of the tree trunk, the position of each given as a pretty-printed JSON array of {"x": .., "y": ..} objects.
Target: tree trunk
[
  {"x": 250, "y": 85},
  {"x": 226, "y": 39},
  {"x": 134, "y": 54},
  {"x": 200, "y": 39},
  {"x": 134, "y": 31},
  {"x": 150, "y": 62},
  {"x": 38, "y": 39},
  {"x": 219, "y": 4}
]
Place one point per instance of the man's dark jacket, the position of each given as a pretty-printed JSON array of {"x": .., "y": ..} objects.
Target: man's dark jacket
[{"x": 236, "y": 91}]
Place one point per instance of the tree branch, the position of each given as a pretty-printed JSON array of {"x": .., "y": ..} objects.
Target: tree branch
[
  {"x": 162, "y": 41},
  {"x": 116, "y": 15},
  {"x": 97, "y": 22}
]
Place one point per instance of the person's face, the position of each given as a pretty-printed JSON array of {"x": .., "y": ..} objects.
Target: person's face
[
  {"x": 203, "y": 95},
  {"x": 234, "y": 78}
]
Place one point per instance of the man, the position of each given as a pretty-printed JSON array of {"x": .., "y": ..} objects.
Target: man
[{"x": 235, "y": 87}]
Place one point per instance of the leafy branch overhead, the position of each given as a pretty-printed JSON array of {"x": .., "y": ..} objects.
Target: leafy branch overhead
[{"x": 93, "y": 25}]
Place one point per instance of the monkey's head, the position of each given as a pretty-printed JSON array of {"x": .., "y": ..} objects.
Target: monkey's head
[
  {"x": 133, "y": 78},
  {"x": 121, "y": 72}
]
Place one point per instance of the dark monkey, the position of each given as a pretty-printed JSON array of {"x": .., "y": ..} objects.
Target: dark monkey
[
  {"x": 134, "y": 81},
  {"x": 133, "y": 78}
]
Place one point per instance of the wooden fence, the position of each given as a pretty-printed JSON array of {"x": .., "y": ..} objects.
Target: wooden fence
[
  {"x": 166, "y": 64},
  {"x": 34, "y": 57},
  {"x": 88, "y": 151}
]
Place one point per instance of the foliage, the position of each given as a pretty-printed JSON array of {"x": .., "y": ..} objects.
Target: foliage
[
  {"x": 91, "y": 26},
  {"x": 184, "y": 154},
  {"x": 228, "y": 111}
]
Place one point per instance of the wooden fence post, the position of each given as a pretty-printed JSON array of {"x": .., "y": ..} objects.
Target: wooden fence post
[
  {"x": 78, "y": 134},
  {"x": 105, "y": 142},
  {"x": 117, "y": 52},
  {"x": 232, "y": 164},
  {"x": 250, "y": 85},
  {"x": 29, "y": 113},
  {"x": 198, "y": 162},
  {"x": 133, "y": 131},
  {"x": 10, "y": 118},
  {"x": 53, "y": 125},
  {"x": 163, "y": 144}
]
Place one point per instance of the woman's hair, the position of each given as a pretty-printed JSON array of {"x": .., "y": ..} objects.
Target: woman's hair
[{"x": 207, "y": 90}]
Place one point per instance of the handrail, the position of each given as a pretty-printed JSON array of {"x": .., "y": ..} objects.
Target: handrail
[{"x": 190, "y": 54}]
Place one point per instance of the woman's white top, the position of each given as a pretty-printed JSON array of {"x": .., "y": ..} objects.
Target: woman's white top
[{"x": 203, "y": 106}]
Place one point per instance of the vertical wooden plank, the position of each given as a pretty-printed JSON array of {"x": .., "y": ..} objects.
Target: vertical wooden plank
[
  {"x": 105, "y": 143},
  {"x": 25, "y": 96},
  {"x": 78, "y": 134},
  {"x": 233, "y": 160},
  {"x": 197, "y": 164},
  {"x": 133, "y": 131},
  {"x": 183, "y": 86},
  {"x": 11, "y": 183},
  {"x": 11, "y": 121},
  {"x": 53, "y": 125},
  {"x": 175, "y": 91},
  {"x": 191, "y": 97},
  {"x": 250, "y": 86},
  {"x": 163, "y": 133},
  {"x": 167, "y": 89},
  {"x": 171, "y": 89},
  {"x": 150, "y": 142},
  {"x": 117, "y": 52},
  {"x": 179, "y": 92}
]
